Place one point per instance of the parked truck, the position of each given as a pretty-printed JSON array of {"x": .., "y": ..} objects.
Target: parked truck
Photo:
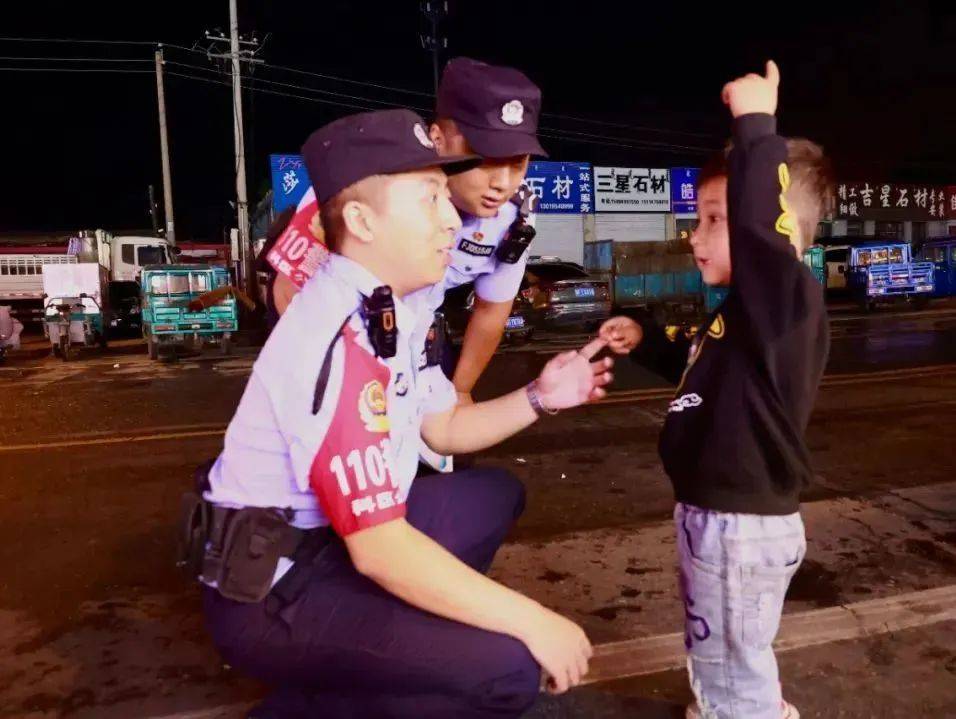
[
  {"x": 882, "y": 272},
  {"x": 77, "y": 311},
  {"x": 662, "y": 280},
  {"x": 21, "y": 267},
  {"x": 659, "y": 278}
]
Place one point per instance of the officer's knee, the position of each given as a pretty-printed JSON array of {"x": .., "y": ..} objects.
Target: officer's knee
[
  {"x": 515, "y": 682},
  {"x": 508, "y": 488}
]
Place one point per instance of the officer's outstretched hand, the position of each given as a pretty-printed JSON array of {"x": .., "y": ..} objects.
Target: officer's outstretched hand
[
  {"x": 572, "y": 378},
  {"x": 622, "y": 334}
]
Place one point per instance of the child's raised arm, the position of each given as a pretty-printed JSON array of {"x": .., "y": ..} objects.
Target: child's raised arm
[{"x": 763, "y": 231}]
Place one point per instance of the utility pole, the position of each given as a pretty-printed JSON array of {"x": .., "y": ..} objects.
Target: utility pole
[
  {"x": 164, "y": 149},
  {"x": 238, "y": 54},
  {"x": 153, "y": 210},
  {"x": 434, "y": 13},
  {"x": 242, "y": 201}
]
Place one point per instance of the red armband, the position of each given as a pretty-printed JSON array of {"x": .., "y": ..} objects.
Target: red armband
[
  {"x": 351, "y": 472},
  {"x": 300, "y": 249}
]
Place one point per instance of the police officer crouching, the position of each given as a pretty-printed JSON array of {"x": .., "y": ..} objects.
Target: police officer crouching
[{"x": 329, "y": 573}]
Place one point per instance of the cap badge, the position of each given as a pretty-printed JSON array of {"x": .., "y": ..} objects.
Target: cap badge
[
  {"x": 423, "y": 137},
  {"x": 512, "y": 113},
  {"x": 478, "y": 236}
]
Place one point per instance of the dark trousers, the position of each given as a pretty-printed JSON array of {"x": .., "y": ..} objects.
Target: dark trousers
[{"x": 344, "y": 647}]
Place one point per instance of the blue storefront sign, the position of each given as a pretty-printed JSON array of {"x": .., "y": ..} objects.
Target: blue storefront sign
[
  {"x": 684, "y": 190},
  {"x": 562, "y": 187},
  {"x": 289, "y": 180}
]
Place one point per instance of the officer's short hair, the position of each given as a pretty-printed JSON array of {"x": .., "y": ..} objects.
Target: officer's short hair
[
  {"x": 811, "y": 182},
  {"x": 367, "y": 190}
]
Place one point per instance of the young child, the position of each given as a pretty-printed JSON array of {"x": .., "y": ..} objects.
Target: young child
[{"x": 733, "y": 442}]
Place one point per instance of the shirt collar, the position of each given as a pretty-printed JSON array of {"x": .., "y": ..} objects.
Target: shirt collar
[
  {"x": 470, "y": 222},
  {"x": 364, "y": 283}
]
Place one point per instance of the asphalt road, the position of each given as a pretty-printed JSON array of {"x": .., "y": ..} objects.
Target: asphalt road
[{"x": 95, "y": 453}]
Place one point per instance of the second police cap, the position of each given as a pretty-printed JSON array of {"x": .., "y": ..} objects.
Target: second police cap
[
  {"x": 384, "y": 142},
  {"x": 496, "y": 108}
]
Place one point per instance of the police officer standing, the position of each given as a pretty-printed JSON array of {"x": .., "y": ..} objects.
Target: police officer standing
[
  {"x": 493, "y": 112},
  {"x": 331, "y": 572}
]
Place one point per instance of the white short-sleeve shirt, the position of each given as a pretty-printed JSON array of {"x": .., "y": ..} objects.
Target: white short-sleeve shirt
[
  {"x": 349, "y": 457},
  {"x": 473, "y": 256}
]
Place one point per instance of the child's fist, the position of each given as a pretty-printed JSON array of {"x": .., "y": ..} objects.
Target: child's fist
[
  {"x": 622, "y": 334},
  {"x": 753, "y": 93}
]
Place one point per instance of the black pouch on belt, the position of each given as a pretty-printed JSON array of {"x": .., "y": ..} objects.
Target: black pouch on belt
[{"x": 254, "y": 541}]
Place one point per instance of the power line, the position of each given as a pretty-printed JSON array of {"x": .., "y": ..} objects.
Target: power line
[
  {"x": 649, "y": 143},
  {"x": 568, "y": 136},
  {"x": 551, "y": 133},
  {"x": 556, "y": 133},
  {"x": 363, "y": 83},
  {"x": 76, "y": 69},
  {"x": 673, "y": 149},
  {"x": 336, "y": 78},
  {"x": 84, "y": 41},
  {"x": 70, "y": 59},
  {"x": 431, "y": 95},
  {"x": 627, "y": 126},
  {"x": 304, "y": 87},
  {"x": 272, "y": 92}
]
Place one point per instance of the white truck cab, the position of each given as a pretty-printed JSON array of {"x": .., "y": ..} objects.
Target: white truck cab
[{"x": 126, "y": 255}]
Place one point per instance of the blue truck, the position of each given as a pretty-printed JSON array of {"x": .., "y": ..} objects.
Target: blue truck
[
  {"x": 661, "y": 279},
  {"x": 879, "y": 271},
  {"x": 941, "y": 252}
]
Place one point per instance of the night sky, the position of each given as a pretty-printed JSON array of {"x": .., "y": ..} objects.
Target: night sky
[{"x": 874, "y": 82}]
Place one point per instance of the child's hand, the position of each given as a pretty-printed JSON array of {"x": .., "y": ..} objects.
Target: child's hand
[
  {"x": 753, "y": 93},
  {"x": 622, "y": 334}
]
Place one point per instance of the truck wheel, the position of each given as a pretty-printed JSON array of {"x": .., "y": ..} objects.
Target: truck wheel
[
  {"x": 920, "y": 302},
  {"x": 225, "y": 345},
  {"x": 152, "y": 347},
  {"x": 101, "y": 340}
]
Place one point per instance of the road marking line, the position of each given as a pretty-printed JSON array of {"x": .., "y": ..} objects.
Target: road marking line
[
  {"x": 799, "y": 630},
  {"x": 112, "y": 440},
  {"x": 188, "y": 431},
  {"x": 665, "y": 652}
]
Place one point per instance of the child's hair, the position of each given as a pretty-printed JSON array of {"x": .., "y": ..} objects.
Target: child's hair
[{"x": 811, "y": 183}]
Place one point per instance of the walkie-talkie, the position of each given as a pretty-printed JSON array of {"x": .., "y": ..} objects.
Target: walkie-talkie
[
  {"x": 519, "y": 236},
  {"x": 379, "y": 314},
  {"x": 435, "y": 340},
  {"x": 515, "y": 243}
]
